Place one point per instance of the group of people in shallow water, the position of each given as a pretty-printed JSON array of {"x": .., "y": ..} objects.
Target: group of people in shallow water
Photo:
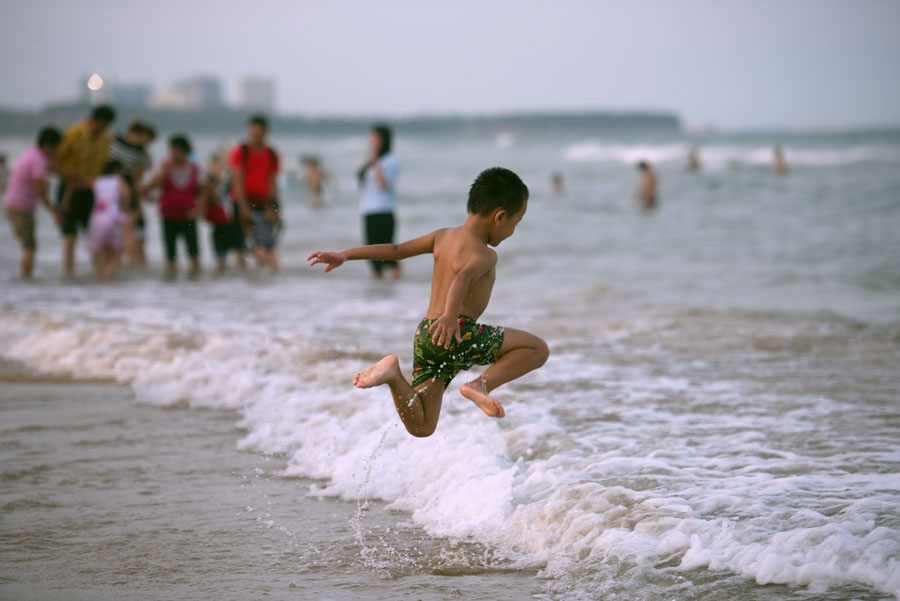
[{"x": 104, "y": 178}]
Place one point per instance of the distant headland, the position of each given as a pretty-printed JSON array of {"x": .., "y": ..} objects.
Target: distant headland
[{"x": 223, "y": 119}]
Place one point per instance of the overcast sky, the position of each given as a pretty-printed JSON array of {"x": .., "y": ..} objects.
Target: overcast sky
[{"x": 730, "y": 63}]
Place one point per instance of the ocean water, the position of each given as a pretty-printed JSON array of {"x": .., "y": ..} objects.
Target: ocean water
[{"x": 718, "y": 419}]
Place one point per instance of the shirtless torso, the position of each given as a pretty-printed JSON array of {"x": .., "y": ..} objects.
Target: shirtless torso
[{"x": 454, "y": 248}]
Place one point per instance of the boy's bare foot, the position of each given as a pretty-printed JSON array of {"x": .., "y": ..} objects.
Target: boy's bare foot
[
  {"x": 475, "y": 393},
  {"x": 383, "y": 371}
]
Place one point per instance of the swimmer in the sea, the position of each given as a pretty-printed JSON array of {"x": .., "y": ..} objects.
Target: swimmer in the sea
[
  {"x": 449, "y": 339},
  {"x": 646, "y": 193},
  {"x": 779, "y": 163}
]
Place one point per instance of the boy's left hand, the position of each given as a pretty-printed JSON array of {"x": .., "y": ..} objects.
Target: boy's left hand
[
  {"x": 331, "y": 260},
  {"x": 444, "y": 329}
]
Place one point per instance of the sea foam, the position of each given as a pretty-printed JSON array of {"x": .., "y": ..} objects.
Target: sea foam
[{"x": 536, "y": 490}]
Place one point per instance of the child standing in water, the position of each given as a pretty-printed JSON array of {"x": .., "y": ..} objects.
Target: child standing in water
[
  {"x": 108, "y": 217},
  {"x": 180, "y": 203},
  {"x": 449, "y": 340},
  {"x": 218, "y": 212}
]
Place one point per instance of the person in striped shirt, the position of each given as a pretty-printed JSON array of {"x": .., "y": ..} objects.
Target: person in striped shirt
[{"x": 130, "y": 151}]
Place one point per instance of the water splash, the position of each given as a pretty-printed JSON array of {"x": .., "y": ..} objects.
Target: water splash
[{"x": 362, "y": 500}]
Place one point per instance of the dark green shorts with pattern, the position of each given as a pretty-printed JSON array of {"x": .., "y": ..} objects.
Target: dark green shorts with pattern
[{"x": 480, "y": 345}]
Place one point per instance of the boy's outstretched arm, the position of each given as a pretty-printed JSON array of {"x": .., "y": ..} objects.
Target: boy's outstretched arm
[
  {"x": 375, "y": 252},
  {"x": 446, "y": 327}
]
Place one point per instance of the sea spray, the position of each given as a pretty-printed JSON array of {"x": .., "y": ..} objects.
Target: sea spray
[{"x": 367, "y": 553}]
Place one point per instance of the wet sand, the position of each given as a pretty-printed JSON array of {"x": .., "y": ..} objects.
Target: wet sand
[{"x": 104, "y": 498}]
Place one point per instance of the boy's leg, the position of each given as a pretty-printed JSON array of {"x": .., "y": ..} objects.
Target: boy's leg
[
  {"x": 419, "y": 408},
  {"x": 519, "y": 354},
  {"x": 27, "y": 265},
  {"x": 23, "y": 228}
]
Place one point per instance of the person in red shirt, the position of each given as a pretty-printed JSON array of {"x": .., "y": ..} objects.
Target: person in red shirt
[{"x": 254, "y": 166}]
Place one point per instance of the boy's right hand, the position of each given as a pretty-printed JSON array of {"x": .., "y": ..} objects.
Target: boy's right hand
[
  {"x": 331, "y": 260},
  {"x": 444, "y": 329}
]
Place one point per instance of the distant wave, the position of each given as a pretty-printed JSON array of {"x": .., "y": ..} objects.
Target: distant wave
[{"x": 592, "y": 151}]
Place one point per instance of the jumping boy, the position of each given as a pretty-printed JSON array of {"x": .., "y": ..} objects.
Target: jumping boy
[{"x": 449, "y": 340}]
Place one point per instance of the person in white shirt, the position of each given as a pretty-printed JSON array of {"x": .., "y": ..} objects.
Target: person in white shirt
[{"x": 378, "y": 180}]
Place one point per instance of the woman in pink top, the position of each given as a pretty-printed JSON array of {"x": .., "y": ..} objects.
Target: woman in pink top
[
  {"x": 27, "y": 186},
  {"x": 180, "y": 203}
]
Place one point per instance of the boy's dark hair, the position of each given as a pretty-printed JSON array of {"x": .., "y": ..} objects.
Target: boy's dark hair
[
  {"x": 112, "y": 166},
  {"x": 49, "y": 136},
  {"x": 643, "y": 166},
  {"x": 259, "y": 120},
  {"x": 104, "y": 114},
  {"x": 497, "y": 188},
  {"x": 180, "y": 141}
]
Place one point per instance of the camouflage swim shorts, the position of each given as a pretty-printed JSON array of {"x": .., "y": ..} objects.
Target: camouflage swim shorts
[{"x": 480, "y": 345}]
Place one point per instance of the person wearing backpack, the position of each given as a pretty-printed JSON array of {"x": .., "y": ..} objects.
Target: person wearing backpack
[
  {"x": 181, "y": 202},
  {"x": 254, "y": 166}
]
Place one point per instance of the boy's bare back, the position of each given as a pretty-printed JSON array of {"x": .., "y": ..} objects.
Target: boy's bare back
[{"x": 456, "y": 249}]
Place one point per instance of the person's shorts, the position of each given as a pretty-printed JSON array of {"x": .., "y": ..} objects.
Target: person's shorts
[
  {"x": 225, "y": 240},
  {"x": 22, "y": 223},
  {"x": 480, "y": 345},
  {"x": 79, "y": 214},
  {"x": 264, "y": 231}
]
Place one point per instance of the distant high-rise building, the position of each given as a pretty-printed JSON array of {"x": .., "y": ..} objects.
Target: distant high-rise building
[
  {"x": 256, "y": 94},
  {"x": 135, "y": 95},
  {"x": 106, "y": 90},
  {"x": 199, "y": 92},
  {"x": 169, "y": 99}
]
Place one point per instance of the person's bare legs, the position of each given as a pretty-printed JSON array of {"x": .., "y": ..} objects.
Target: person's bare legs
[
  {"x": 68, "y": 256},
  {"x": 129, "y": 241},
  {"x": 419, "y": 408},
  {"x": 272, "y": 259},
  {"x": 240, "y": 261},
  {"x": 140, "y": 259},
  {"x": 110, "y": 262},
  {"x": 260, "y": 253},
  {"x": 171, "y": 270},
  {"x": 27, "y": 264},
  {"x": 195, "y": 267},
  {"x": 520, "y": 353}
]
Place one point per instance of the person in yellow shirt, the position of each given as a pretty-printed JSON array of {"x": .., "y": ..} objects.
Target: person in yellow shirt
[{"x": 80, "y": 159}]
